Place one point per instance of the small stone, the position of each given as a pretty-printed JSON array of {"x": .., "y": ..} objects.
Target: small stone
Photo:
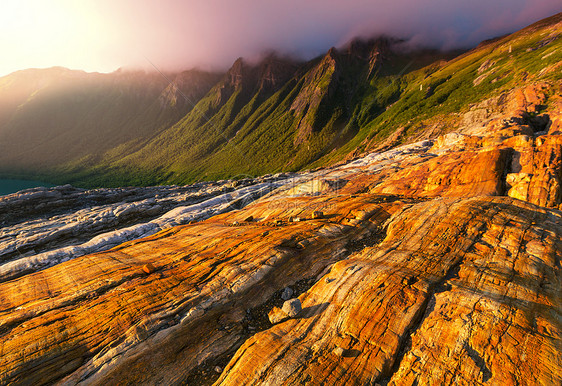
[
  {"x": 287, "y": 293},
  {"x": 291, "y": 219},
  {"x": 339, "y": 351},
  {"x": 249, "y": 219},
  {"x": 277, "y": 315},
  {"x": 235, "y": 223},
  {"x": 148, "y": 268},
  {"x": 292, "y": 307},
  {"x": 218, "y": 369}
]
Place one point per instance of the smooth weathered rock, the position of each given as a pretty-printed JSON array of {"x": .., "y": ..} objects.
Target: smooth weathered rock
[
  {"x": 287, "y": 293},
  {"x": 475, "y": 297},
  {"x": 277, "y": 315},
  {"x": 292, "y": 307}
]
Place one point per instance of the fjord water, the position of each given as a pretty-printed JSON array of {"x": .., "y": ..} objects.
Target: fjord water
[{"x": 12, "y": 186}]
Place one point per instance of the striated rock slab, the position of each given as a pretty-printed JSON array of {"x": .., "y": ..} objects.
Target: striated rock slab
[
  {"x": 459, "y": 291},
  {"x": 459, "y": 174},
  {"x": 75, "y": 233},
  {"x": 93, "y": 318}
]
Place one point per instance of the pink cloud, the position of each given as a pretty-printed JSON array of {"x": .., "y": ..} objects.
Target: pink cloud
[{"x": 179, "y": 34}]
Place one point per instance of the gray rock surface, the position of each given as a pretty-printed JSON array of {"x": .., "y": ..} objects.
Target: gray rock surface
[
  {"x": 68, "y": 222},
  {"x": 292, "y": 307},
  {"x": 287, "y": 293}
]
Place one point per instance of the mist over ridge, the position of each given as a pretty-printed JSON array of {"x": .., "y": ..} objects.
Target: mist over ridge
[
  {"x": 225, "y": 31},
  {"x": 174, "y": 35}
]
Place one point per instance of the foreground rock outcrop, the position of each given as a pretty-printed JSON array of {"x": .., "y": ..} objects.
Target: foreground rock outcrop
[{"x": 460, "y": 291}]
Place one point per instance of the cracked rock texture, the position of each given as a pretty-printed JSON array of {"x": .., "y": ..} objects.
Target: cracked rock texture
[
  {"x": 460, "y": 291},
  {"x": 438, "y": 262}
]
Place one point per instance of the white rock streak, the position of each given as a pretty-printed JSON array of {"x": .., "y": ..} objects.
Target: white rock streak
[
  {"x": 88, "y": 220},
  {"x": 90, "y": 229}
]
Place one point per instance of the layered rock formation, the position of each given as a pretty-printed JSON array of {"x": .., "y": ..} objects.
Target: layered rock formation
[
  {"x": 65, "y": 222},
  {"x": 462, "y": 291}
]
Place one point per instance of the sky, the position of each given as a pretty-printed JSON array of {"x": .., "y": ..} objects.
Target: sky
[{"x": 104, "y": 35}]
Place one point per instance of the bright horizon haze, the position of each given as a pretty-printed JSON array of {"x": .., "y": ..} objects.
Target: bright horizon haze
[{"x": 104, "y": 35}]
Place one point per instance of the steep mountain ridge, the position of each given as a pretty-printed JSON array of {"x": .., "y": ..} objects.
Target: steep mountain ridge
[
  {"x": 255, "y": 132},
  {"x": 272, "y": 116}
]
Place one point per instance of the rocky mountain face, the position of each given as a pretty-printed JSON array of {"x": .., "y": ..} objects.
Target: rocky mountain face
[
  {"x": 437, "y": 261},
  {"x": 276, "y": 115},
  {"x": 318, "y": 87},
  {"x": 186, "y": 89}
]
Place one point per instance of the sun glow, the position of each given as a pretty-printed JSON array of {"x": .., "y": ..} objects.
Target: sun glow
[{"x": 37, "y": 33}]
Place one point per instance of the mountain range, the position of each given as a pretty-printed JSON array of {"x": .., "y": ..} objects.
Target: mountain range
[{"x": 276, "y": 115}]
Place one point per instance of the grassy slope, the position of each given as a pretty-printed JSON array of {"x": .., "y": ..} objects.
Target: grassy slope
[
  {"x": 517, "y": 57},
  {"x": 60, "y": 116},
  {"x": 347, "y": 111}
]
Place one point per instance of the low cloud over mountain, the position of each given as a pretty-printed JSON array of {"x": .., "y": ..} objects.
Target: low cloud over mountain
[
  {"x": 175, "y": 34},
  {"x": 214, "y": 33}
]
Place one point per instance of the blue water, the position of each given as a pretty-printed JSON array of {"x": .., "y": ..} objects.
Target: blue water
[{"x": 12, "y": 186}]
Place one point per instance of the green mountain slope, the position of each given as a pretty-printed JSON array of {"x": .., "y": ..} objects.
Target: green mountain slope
[
  {"x": 277, "y": 115},
  {"x": 55, "y": 116}
]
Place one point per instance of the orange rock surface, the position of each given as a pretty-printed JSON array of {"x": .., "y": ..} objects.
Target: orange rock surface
[{"x": 460, "y": 291}]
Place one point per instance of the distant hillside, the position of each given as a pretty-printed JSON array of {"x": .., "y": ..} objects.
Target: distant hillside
[
  {"x": 53, "y": 117},
  {"x": 278, "y": 115}
]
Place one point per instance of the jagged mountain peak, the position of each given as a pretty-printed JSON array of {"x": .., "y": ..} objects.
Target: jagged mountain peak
[
  {"x": 270, "y": 72},
  {"x": 364, "y": 48},
  {"x": 274, "y": 70},
  {"x": 282, "y": 113},
  {"x": 239, "y": 74}
]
